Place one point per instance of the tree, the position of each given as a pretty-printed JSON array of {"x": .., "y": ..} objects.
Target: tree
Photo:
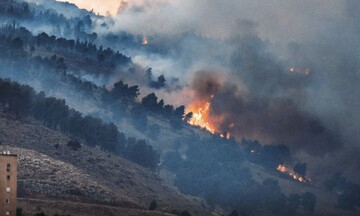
[
  {"x": 234, "y": 213},
  {"x": 150, "y": 102},
  {"x": 161, "y": 81},
  {"x": 17, "y": 43},
  {"x": 123, "y": 91},
  {"x": 300, "y": 168},
  {"x": 185, "y": 213},
  {"x": 153, "y": 205},
  {"x": 172, "y": 160},
  {"x": 139, "y": 117},
  {"x": 142, "y": 153},
  {"x": 293, "y": 203},
  {"x": 179, "y": 112},
  {"x": 74, "y": 145},
  {"x": 19, "y": 212},
  {"x": 168, "y": 110},
  {"x": 308, "y": 201},
  {"x": 154, "y": 131},
  {"x": 188, "y": 117}
]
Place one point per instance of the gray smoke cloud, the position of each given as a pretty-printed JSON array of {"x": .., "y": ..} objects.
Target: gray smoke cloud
[{"x": 285, "y": 71}]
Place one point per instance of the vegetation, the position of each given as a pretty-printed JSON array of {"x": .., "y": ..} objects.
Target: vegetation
[
  {"x": 54, "y": 113},
  {"x": 309, "y": 201},
  {"x": 153, "y": 205},
  {"x": 348, "y": 192},
  {"x": 269, "y": 156},
  {"x": 141, "y": 153},
  {"x": 15, "y": 40},
  {"x": 74, "y": 145}
]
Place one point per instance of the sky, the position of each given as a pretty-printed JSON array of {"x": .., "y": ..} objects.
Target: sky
[{"x": 103, "y": 7}]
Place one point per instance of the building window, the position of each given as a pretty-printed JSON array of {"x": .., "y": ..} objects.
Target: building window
[
  {"x": 8, "y": 166},
  {"x": 7, "y": 189},
  {"x": 7, "y": 201},
  {"x": 7, "y": 213},
  {"x": 8, "y": 177}
]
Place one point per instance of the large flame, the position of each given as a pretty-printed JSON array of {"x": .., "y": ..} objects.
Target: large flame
[
  {"x": 201, "y": 110},
  {"x": 201, "y": 117},
  {"x": 290, "y": 172}
]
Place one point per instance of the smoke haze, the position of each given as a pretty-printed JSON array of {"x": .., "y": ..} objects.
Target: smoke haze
[{"x": 281, "y": 71}]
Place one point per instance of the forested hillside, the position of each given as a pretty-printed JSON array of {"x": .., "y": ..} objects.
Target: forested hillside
[{"x": 94, "y": 125}]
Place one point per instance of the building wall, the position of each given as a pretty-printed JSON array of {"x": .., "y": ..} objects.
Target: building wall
[{"x": 8, "y": 199}]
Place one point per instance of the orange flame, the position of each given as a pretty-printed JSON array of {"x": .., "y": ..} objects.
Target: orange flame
[
  {"x": 201, "y": 117},
  {"x": 145, "y": 41},
  {"x": 200, "y": 110},
  {"x": 295, "y": 176}
]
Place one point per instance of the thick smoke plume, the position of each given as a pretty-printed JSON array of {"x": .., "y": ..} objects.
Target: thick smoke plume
[
  {"x": 286, "y": 71},
  {"x": 277, "y": 120}
]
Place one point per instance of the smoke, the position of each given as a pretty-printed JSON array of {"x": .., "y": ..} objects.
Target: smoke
[
  {"x": 277, "y": 120},
  {"x": 281, "y": 71}
]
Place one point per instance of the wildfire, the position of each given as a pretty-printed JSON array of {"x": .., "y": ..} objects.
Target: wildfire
[
  {"x": 145, "y": 41},
  {"x": 200, "y": 116},
  {"x": 295, "y": 176}
]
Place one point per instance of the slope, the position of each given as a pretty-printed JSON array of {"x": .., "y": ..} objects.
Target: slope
[{"x": 88, "y": 175}]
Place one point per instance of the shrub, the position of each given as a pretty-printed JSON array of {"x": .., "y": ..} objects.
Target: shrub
[
  {"x": 74, "y": 145},
  {"x": 153, "y": 205}
]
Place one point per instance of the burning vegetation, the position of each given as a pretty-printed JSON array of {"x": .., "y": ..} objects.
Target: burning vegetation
[
  {"x": 292, "y": 173},
  {"x": 201, "y": 116},
  {"x": 202, "y": 107}
]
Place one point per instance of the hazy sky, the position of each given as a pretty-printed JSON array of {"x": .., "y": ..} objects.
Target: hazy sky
[
  {"x": 277, "y": 20},
  {"x": 99, "y": 6},
  {"x": 257, "y": 41}
]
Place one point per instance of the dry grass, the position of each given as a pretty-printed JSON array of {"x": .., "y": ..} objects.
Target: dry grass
[{"x": 89, "y": 175}]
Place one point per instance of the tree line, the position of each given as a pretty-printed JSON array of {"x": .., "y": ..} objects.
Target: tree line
[
  {"x": 214, "y": 169},
  {"x": 22, "y": 101},
  {"x": 16, "y": 39}
]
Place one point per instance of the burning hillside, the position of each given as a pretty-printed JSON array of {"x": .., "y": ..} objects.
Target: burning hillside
[
  {"x": 202, "y": 117},
  {"x": 284, "y": 169},
  {"x": 224, "y": 108}
]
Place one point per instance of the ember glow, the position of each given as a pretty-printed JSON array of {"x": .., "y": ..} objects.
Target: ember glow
[
  {"x": 290, "y": 172},
  {"x": 145, "y": 41},
  {"x": 305, "y": 72}
]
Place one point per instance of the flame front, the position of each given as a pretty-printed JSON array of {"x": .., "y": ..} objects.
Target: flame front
[
  {"x": 295, "y": 176},
  {"x": 200, "y": 110},
  {"x": 201, "y": 117}
]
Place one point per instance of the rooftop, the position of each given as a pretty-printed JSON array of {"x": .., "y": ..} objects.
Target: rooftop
[{"x": 7, "y": 153}]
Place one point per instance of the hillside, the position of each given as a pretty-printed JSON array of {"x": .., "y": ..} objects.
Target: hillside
[
  {"x": 162, "y": 116},
  {"x": 87, "y": 176},
  {"x": 61, "y": 180}
]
